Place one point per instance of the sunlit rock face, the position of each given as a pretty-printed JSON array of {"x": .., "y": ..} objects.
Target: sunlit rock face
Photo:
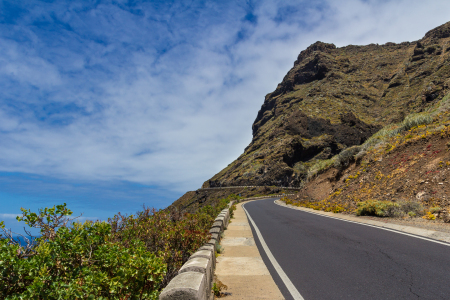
[{"x": 334, "y": 98}]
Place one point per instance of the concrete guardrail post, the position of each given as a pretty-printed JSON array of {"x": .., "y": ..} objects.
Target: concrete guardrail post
[{"x": 188, "y": 285}]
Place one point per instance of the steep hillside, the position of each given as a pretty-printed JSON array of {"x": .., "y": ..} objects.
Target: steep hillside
[
  {"x": 402, "y": 170},
  {"x": 332, "y": 101},
  {"x": 334, "y": 98}
]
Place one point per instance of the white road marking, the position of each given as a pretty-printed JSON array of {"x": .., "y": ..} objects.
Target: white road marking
[
  {"x": 370, "y": 225},
  {"x": 287, "y": 282}
]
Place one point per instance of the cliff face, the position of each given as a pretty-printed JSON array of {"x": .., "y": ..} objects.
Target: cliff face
[{"x": 334, "y": 98}]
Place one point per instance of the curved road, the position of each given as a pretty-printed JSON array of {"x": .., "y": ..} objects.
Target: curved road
[{"x": 326, "y": 258}]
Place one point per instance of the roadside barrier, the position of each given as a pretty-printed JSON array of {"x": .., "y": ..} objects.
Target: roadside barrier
[
  {"x": 250, "y": 186},
  {"x": 264, "y": 197},
  {"x": 194, "y": 279}
]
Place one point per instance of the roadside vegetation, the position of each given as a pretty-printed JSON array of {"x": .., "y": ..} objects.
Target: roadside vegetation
[
  {"x": 402, "y": 171},
  {"x": 126, "y": 257}
]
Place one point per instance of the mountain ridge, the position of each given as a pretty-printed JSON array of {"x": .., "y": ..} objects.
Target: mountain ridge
[{"x": 334, "y": 98}]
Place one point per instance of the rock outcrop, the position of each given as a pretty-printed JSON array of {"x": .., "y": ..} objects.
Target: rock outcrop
[{"x": 334, "y": 98}]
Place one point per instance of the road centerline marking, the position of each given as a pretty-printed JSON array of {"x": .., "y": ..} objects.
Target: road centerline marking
[{"x": 287, "y": 282}]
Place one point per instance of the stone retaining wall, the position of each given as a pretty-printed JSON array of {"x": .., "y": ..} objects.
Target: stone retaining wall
[{"x": 194, "y": 279}]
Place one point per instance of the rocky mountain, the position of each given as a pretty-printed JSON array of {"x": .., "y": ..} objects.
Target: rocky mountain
[{"x": 335, "y": 98}]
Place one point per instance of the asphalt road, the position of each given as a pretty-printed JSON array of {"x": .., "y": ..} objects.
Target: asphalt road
[{"x": 331, "y": 259}]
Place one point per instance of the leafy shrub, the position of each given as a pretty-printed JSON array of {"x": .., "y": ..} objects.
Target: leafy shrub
[
  {"x": 389, "y": 208},
  {"x": 411, "y": 121},
  {"x": 442, "y": 106},
  {"x": 128, "y": 257},
  {"x": 411, "y": 208},
  {"x": 360, "y": 155},
  {"x": 232, "y": 209},
  {"x": 172, "y": 235},
  {"x": 80, "y": 262},
  {"x": 375, "y": 208}
]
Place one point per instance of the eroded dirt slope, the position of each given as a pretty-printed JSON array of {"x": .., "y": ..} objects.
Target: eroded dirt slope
[{"x": 413, "y": 166}]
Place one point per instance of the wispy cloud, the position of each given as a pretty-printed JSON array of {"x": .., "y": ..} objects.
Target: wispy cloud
[
  {"x": 8, "y": 216},
  {"x": 161, "y": 94}
]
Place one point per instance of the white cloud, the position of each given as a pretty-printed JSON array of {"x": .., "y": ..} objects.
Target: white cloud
[
  {"x": 170, "y": 118},
  {"x": 8, "y": 216},
  {"x": 23, "y": 65}
]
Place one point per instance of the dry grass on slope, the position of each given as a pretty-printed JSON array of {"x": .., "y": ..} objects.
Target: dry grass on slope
[{"x": 403, "y": 171}]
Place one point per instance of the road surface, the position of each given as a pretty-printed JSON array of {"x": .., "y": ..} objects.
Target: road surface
[{"x": 326, "y": 258}]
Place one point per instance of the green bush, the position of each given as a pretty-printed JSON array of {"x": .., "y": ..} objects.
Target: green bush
[
  {"x": 412, "y": 208},
  {"x": 128, "y": 257},
  {"x": 389, "y": 208},
  {"x": 375, "y": 208},
  {"x": 80, "y": 262},
  {"x": 172, "y": 235}
]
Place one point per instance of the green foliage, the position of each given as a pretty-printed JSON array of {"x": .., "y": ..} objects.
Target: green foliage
[
  {"x": 217, "y": 288},
  {"x": 219, "y": 248},
  {"x": 402, "y": 208},
  {"x": 128, "y": 257},
  {"x": 375, "y": 208},
  {"x": 232, "y": 209},
  {"x": 344, "y": 158},
  {"x": 172, "y": 235},
  {"x": 319, "y": 167},
  {"x": 435, "y": 209},
  {"x": 389, "y": 208},
  {"x": 411, "y": 121},
  {"x": 47, "y": 219},
  {"x": 443, "y": 106},
  {"x": 412, "y": 208},
  {"x": 392, "y": 130},
  {"x": 80, "y": 262}
]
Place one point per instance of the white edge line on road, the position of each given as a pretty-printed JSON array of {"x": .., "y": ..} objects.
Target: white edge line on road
[
  {"x": 370, "y": 225},
  {"x": 287, "y": 282}
]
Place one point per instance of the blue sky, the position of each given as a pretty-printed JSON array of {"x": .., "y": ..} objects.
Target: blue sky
[{"x": 107, "y": 105}]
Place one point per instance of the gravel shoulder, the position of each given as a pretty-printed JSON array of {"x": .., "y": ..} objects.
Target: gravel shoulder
[{"x": 437, "y": 225}]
